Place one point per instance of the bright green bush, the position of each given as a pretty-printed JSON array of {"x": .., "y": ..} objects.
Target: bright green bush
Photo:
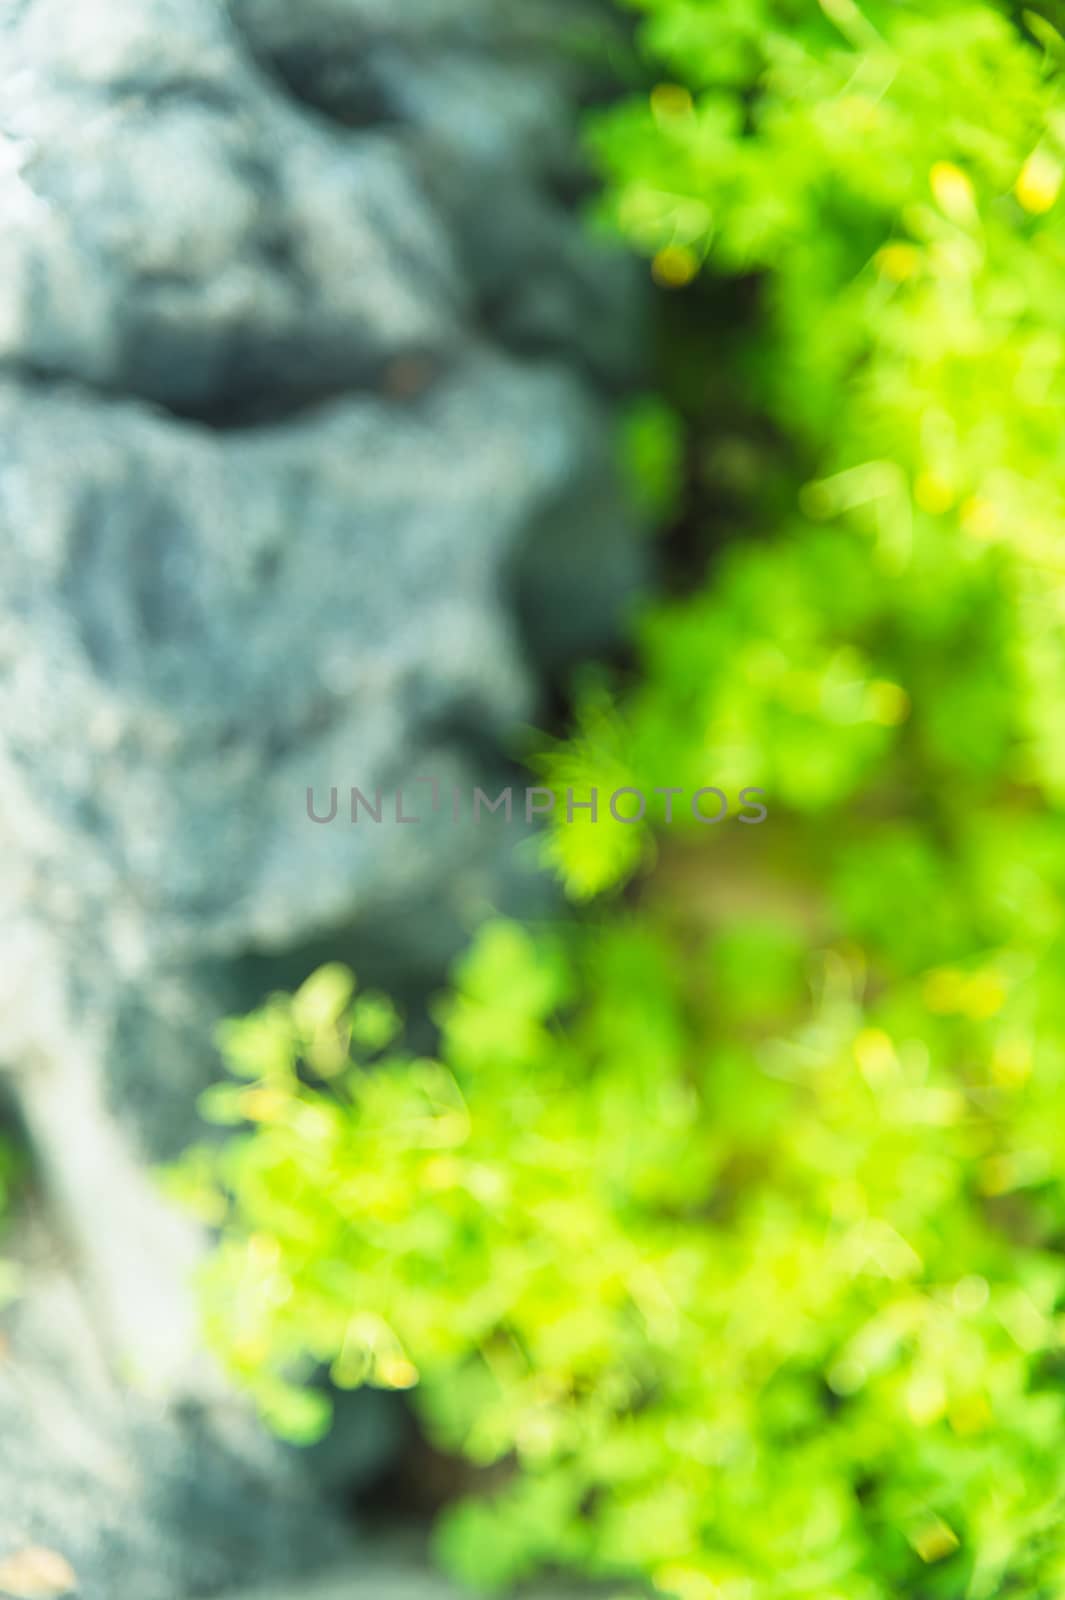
[
  {"x": 746, "y": 1307},
  {"x": 733, "y": 1226},
  {"x": 893, "y": 195}
]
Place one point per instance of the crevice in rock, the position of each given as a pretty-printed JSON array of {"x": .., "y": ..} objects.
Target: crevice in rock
[
  {"x": 266, "y": 404},
  {"x": 346, "y": 93},
  {"x": 339, "y": 86}
]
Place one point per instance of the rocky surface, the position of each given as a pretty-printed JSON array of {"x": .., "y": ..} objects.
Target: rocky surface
[
  {"x": 119, "y": 1497},
  {"x": 396, "y": 1571},
  {"x": 305, "y": 479}
]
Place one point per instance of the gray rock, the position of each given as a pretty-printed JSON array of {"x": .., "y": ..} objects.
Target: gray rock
[
  {"x": 396, "y": 1569},
  {"x": 480, "y": 94},
  {"x": 305, "y": 480},
  {"x": 136, "y": 1501},
  {"x": 189, "y": 236},
  {"x": 198, "y": 627}
]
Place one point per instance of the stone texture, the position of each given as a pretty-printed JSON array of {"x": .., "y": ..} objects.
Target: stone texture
[
  {"x": 134, "y": 1500},
  {"x": 396, "y": 1570},
  {"x": 305, "y": 479}
]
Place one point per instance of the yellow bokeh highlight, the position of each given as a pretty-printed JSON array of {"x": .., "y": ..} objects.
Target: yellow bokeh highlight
[
  {"x": 943, "y": 990},
  {"x": 671, "y": 100},
  {"x": 263, "y": 1105},
  {"x": 926, "y": 1399},
  {"x": 1011, "y": 1063},
  {"x": 979, "y": 518},
  {"x": 675, "y": 266},
  {"x": 396, "y": 1372},
  {"x": 953, "y": 192},
  {"x": 1039, "y": 184},
  {"x": 985, "y": 995},
  {"x": 934, "y": 1540},
  {"x": 979, "y": 995},
  {"x": 875, "y": 1055},
  {"x": 933, "y": 493},
  {"x": 899, "y": 261}
]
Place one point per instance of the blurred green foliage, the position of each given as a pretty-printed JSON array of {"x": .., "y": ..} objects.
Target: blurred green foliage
[
  {"x": 888, "y": 181},
  {"x": 652, "y": 455},
  {"x": 729, "y": 1228}
]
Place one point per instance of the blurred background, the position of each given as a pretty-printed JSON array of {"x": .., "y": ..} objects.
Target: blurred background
[{"x": 436, "y": 397}]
